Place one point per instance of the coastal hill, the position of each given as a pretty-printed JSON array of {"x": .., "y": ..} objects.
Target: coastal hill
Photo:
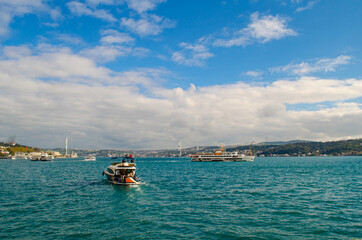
[
  {"x": 335, "y": 148},
  {"x": 291, "y": 148},
  {"x": 283, "y": 143},
  {"x": 305, "y": 148}
]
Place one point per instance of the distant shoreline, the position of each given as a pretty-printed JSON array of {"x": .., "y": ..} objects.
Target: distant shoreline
[{"x": 294, "y": 148}]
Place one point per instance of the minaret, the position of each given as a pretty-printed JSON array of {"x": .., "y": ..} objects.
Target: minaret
[
  {"x": 179, "y": 146},
  {"x": 66, "y": 146}
]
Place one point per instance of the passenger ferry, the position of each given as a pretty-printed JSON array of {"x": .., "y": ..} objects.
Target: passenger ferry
[
  {"x": 221, "y": 156},
  {"x": 122, "y": 173}
]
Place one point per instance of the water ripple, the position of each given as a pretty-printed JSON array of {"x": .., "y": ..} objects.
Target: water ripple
[{"x": 271, "y": 198}]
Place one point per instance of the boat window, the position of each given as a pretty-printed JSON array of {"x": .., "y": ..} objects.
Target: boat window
[{"x": 110, "y": 171}]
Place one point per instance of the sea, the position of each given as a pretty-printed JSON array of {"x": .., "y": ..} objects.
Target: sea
[{"x": 270, "y": 198}]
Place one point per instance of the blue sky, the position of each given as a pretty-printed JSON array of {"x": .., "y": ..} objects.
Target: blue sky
[{"x": 143, "y": 74}]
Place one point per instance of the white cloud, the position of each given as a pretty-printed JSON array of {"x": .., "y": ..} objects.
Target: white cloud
[
  {"x": 192, "y": 55},
  {"x": 261, "y": 29},
  {"x": 114, "y": 37},
  {"x": 114, "y": 44},
  {"x": 255, "y": 74},
  {"x": 269, "y": 27},
  {"x": 144, "y": 25},
  {"x": 80, "y": 9},
  {"x": 313, "y": 90},
  {"x": 309, "y": 5},
  {"x": 106, "y": 53},
  {"x": 70, "y": 39},
  {"x": 46, "y": 96},
  {"x": 95, "y": 3},
  {"x": 142, "y": 6},
  {"x": 312, "y": 66},
  {"x": 51, "y": 24},
  {"x": 11, "y": 52},
  {"x": 148, "y": 24},
  {"x": 11, "y": 9},
  {"x": 54, "y": 65}
]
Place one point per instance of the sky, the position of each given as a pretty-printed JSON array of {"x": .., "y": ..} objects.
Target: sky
[{"x": 144, "y": 74}]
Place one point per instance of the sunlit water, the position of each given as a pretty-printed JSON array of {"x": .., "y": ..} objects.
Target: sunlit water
[{"x": 270, "y": 198}]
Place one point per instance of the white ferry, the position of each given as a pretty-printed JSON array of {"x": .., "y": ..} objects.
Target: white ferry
[{"x": 221, "y": 156}]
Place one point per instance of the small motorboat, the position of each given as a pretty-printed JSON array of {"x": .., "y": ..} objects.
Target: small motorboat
[
  {"x": 122, "y": 173},
  {"x": 90, "y": 158}
]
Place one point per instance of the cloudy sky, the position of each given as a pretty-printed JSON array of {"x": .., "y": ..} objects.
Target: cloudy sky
[{"x": 142, "y": 74}]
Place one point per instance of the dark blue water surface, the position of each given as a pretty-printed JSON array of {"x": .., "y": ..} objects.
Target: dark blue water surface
[{"x": 270, "y": 198}]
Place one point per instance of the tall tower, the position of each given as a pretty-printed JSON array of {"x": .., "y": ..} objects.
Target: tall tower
[
  {"x": 179, "y": 147},
  {"x": 66, "y": 146}
]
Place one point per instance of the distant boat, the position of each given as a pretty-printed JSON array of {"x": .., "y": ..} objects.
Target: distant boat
[
  {"x": 90, "y": 158},
  {"x": 221, "y": 156},
  {"x": 42, "y": 157},
  {"x": 20, "y": 155}
]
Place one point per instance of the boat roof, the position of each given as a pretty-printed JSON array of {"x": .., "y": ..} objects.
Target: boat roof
[
  {"x": 213, "y": 154},
  {"x": 124, "y": 164},
  {"x": 122, "y": 167},
  {"x": 119, "y": 166}
]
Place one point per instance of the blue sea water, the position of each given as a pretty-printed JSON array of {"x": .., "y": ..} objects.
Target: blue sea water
[{"x": 270, "y": 198}]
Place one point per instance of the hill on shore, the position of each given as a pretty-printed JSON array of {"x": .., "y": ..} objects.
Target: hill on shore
[
  {"x": 334, "y": 148},
  {"x": 290, "y": 148}
]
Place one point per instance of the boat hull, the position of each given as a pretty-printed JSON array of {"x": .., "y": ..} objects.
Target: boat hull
[
  {"x": 42, "y": 158},
  {"x": 125, "y": 181}
]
